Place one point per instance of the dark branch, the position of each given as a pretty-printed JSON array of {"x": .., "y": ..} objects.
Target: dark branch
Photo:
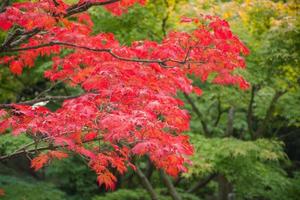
[
  {"x": 146, "y": 183},
  {"x": 24, "y": 149},
  {"x": 109, "y": 51},
  {"x": 149, "y": 169},
  {"x": 201, "y": 183},
  {"x": 77, "y": 8},
  {"x": 254, "y": 89},
  {"x": 198, "y": 113},
  {"x": 49, "y": 89},
  {"x": 34, "y": 101},
  {"x": 16, "y": 37},
  {"x": 230, "y": 119},
  {"x": 219, "y": 109},
  {"x": 19, "y": 37},
  {"x": 17, "y": 152},
  {"x": 55, "y": 3},
  {"x": 171, "y": 189},
  {"x": 262, "y": 128},
  {"x": 4, "y": 4}
]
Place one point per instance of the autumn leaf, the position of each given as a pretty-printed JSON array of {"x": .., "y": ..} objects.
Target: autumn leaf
[
  {"x": 42, "y": 159},
  {"x": 108, "y": 179},
  {"x": 90, "y": 136},
  {"x": 57, "y": 154},
  {"x": 16, "y": 67},
  {"x": 39, "y": 161},
  {"x": 2, "y": 192}
]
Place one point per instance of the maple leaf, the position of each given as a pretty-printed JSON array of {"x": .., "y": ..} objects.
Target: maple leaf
[
  {"x": 4, "y": 124},
  {"x": 76, "y": 137},
  {"x": 90, "y": 136},
  {"x": 118, "y": 163},
  {"x": 108, "y": 179},
  {"x": 185, "y": 19},
  {"x": 2, "y": 113},
  {"x": 197, "y": 90},
  {"x": 16, "y": 67},
  {"x": 142, "y": 148},
  {"x": 42, "y": 159},
  {"x": 39, "y": 161},
  {"x": 4, "y": 24},
  {"x": 57, "y": 154},
  {"x": 2, "y": 192}
]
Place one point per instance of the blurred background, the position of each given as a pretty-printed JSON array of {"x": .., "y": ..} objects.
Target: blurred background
[{"x": 246, "y": 142}]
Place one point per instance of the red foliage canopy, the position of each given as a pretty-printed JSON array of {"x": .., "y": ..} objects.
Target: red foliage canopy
[{"x": 129, "y": 103}]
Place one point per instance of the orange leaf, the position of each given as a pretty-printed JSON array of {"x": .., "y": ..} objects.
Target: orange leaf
[
  {"x": 108, "y": 179},
  {"x": 2, "y": 193},
  {"x": 39, "y": 161},
  {"x": 67, "y": 23},
  {"x": 58, "y": 154},
  {"x": 76, "y": 137}
]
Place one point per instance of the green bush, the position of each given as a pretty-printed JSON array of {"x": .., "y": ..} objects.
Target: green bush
[
  {"x": 28, "y": 189},
  {"x": 141, "y": 194}
]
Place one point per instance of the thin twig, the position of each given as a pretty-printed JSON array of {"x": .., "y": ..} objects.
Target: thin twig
[
  {"x": 109, "y": 51},
  {"x": 198, "y": 113},
  {"x": 49, "y": 89},
  {"x": 24, "y": 149},
  {"x": 34, "y": 101},
  {"x": 21, "y": 149},
  {"x": 81, "y": 7},
  {"x": 4, "y": 4}
]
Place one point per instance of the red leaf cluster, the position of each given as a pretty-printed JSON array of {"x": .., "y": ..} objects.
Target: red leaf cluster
[
  {"x": 130, "y": 103},
  {"x": 42, "y": 159}
]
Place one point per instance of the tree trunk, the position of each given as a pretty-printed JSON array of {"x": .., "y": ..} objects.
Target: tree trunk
[
  {"x": 262, "y": 128},
  {"x": 229, "y": 129},
  {"x": 149, "y": 169},
  {"x": 147, "y": 185},
  {"x": 170, "y": 186},
  {"x": 225, "y": 188},
  {"x": 201, "y": 183}
]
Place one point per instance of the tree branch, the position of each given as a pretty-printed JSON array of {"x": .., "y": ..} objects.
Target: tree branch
[
  {"x": 24, "y": 149},
  {"x": 34, "y": 101},
  {"x": 18, "y": 151},
  {"x": 18, "y": 37},
  {"x": 169, "y": 8},
  {"x": 4, "y": 4},
  {"x": 262, "y": 128},
  {"x": 198, "y": 113},
  {"x": 109, "y": 51},
  {"x": 77, "y": 8},
  {"x": 254, "y": 89},
  {"x": 229, "y": 129},
  {"x": 146, "y": 183},
  {"x": 219, "y": 108},
  {"x": 170, "y": 186},
  {"x": 201, "y": 183},
  {"x": 49, "y": 89},
  {"x": 149, "y": 169}
]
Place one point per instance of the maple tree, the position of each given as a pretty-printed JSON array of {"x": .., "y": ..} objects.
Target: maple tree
[{"x": 129, "y": 105}]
